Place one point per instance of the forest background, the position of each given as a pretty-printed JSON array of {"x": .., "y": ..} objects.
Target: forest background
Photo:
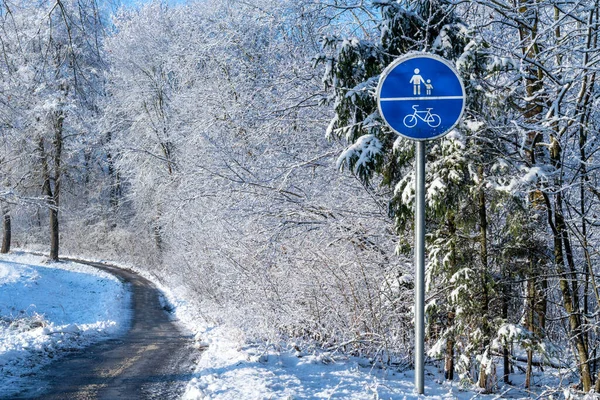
[{"x": 201, "y": 141}]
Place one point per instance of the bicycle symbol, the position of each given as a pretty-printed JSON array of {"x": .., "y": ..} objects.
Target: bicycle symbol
[{"x": 433, "y": 120}]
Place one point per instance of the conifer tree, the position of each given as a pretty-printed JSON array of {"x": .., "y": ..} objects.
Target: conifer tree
[{"x": 456, "y": 201}]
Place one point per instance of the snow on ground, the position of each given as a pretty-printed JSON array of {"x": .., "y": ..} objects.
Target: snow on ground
[
  {"x": 229, "y": 368},
  {"x": 47, "y": 309}
]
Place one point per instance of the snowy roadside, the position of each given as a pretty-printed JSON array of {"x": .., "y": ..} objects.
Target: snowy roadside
[
  {"x": 230, "y": 368},
  {"x": 48, "y": 309}
]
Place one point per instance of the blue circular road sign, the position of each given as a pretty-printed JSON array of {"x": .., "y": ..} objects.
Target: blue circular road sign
[{"x": 420, "y": 96}]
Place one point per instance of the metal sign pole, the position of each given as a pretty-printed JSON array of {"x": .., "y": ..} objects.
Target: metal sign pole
[{"x": 420, "y": 266}]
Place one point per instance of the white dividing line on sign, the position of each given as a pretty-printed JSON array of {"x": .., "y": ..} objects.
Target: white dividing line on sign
[{"x": 422, "y": 98}]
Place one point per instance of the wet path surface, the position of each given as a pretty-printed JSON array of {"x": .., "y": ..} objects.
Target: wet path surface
[{"x": 153, "y": 360}]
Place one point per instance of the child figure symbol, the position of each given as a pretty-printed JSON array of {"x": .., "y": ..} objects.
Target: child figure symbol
[{"x": 428, "y": 86}]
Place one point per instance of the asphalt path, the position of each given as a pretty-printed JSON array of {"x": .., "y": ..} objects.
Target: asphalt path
[{"x": 153, "y": 360}]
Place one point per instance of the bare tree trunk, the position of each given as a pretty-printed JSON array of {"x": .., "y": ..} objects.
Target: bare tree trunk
[
  {"x": 54, "y": 238},
  {"x": 585, "y": 108},
  {"x": 46, "y": 187},
  {"x": 562, "y": 249},
  {"x": 528, "y": 31},
  {"x": 115, "y": 179},
  {"x": 47, "y": 192},
  {"x": 58, "y": 143},
  {"x": 449, "y": 356},
  {"x": 7, "y": 234},
  {"x": 483, "y": 243},
  {"x": 529, "y": 370},
  {"x": 505, "y": 302},
  {"x": 576, "y": 331},
  {"x": 53, "y": 196},
  {"x": 530, "y": 321},
  {"x": 506, "y": 364},
  {"x": 450, "y": 340}
]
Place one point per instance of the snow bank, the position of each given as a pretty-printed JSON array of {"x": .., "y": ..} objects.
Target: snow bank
[
  {"x": 49, "y": 308},
  {"x": 231, "y": 370}
]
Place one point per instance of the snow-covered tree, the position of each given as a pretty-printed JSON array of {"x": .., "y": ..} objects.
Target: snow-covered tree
[
  {"x": 51, "y": 77},
  {"x": 455, "y": 204},
  {"x": 251, "y": 216}
]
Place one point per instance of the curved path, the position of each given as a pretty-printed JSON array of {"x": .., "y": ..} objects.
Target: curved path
[{"x": 153, "y": 360}]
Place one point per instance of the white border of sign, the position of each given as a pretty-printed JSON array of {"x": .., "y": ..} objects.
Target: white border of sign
[{"x": 404, "y": 58}]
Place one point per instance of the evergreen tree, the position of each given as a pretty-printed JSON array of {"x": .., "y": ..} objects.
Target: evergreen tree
[{"x": 456, "y": 199}]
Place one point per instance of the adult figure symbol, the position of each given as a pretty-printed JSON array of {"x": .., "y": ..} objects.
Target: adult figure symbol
[{"x": 416, "y": 80}]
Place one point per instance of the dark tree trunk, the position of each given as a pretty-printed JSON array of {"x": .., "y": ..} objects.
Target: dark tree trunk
[
  {"x": 530, "y": 317},
  {"x": 54, "y": 241},
  {"x": 484, "y": 381},
  {"x": 562, "y": 248},
  {"x": 47, "y": 189},
  {"x": 58, "y": 144},
  {"x": 7, "y": 234},
  {"x": 47, "y": 192},
  {"x": 505, "y": 350},
  {"x": 450, "y": 339},
  {"x": 50, "y": 191},
  {"x": 449, "y": 356},
  {"x": 570, "y": 299},
  {"x": 115, "y": 179}
]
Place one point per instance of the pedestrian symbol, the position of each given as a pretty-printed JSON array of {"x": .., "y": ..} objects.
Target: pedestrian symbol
[
  {"x": 416, "y": 80},
  {"x": 420, "y": 96},
  {"x": 428, "y": 86}
]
